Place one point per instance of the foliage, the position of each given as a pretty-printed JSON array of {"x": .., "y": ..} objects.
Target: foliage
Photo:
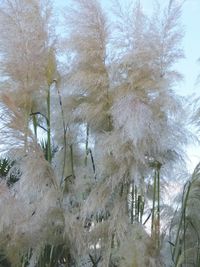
[{"x": 94, "y": 134}]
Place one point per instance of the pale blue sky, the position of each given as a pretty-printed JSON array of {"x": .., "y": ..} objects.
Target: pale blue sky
[
  {"x": 190, "y": 19},
  {"x": 191, "y": 44}
]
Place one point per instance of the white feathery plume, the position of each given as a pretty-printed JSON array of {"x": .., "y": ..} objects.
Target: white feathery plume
[
  {"x": 14, "y": 214},
  {"x": 88, "y": 78},
  {"x": 36, "y": 202},
  {"x": 136, "y": 119},
  {"x": 76, "y": 235},
  {"x": 25, "y": 45},
  {"x": 137, "y": 249},
  {"x": 23, "y": 41},
  {"x": 14, "y": 131}
]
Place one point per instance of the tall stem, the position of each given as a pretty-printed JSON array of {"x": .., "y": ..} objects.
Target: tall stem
[
  {"x": 86, "y": 144},
  {"x": 26, "y": 133},
  {"x": 153, "y": 208},
  {"x": 132, "y": 202},
  {"x": 64, "y": 134},
  {"x": 136, "y": 205},
  {"x": 155, "y": 224},
  {"x": 176, "y": 251},
  {"x": 49, "y": 156},
  {"x": 141, "y": 200},
  {"x": 158, "y": 207},
  {"x": 72, "y": 160},
  {"x": 35, "y": 125}
]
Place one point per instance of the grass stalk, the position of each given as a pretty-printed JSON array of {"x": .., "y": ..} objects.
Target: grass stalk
[
  {"x": 49, "y": 155},
  {"x": 132, "y": 202},
  {"x": 158, "y": 207},
  {"x": 26, "y": 132},
  {"x": 72, "y": 160},
  {"x": 35, "y": 126},
  {"x": 93, "y": 164},
  {"x": 141, "y": 200},
  {"x": 154, "y": 205},
  {"x": 51, "y": 256},
  {"x": 176, "y": 251},
  {"x": 86, "y": 144},
  {"x": 140, "y": 207},
  {"x": 64, "y": 134},
  {"x": 136, "y": 205},
  {"x": 155, "y": 223}
]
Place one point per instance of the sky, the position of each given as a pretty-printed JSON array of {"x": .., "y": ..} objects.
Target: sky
[
  {"x": 191, "y": 45},
  {"x": 189, "y": 67},
  {"x": 190, "y": 20}
]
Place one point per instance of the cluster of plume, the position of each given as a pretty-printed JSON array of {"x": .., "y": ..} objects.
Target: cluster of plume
[
  {"x": 111, "y": 123},
  {"x": 31, "y": 217}
]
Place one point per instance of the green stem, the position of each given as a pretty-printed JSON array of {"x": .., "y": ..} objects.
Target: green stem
[
  {"x": 132, "y": 203},
  {"x": 72, "y": 160},
  {"x": 140, "y": 207},
  {"x": 93, "y": 164},
  {"x": 142, "y": 199},
  {"x": 176, "y": 245},
  {"x": 64, "y": 134},
  {"x": 51, "y": 256},
  {"x": 23, "y": 262},
  {"x": 153, "y": 208},
  {"x": 136, "y": 205},
  {"x": 35, "y": 126},
  {"x": 158, "y": 207},
  {"x": 49, "y": 156},
  {"x": 26, "y": 133},
  {"x": 112, "y": 240},
  {"x": 86, "y": 144}
]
